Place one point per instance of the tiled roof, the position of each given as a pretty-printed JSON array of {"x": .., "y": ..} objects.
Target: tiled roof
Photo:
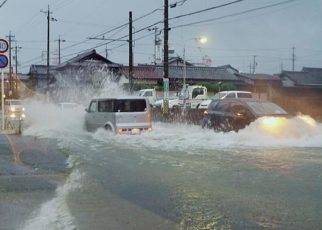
[
  {"x": 260, "y": 76},
  {"x": 86, "y": 56},
  {"x": 303, "y": 78},
  {"x": 176, "y": 72},
  {"x": 317, "y": 71}
]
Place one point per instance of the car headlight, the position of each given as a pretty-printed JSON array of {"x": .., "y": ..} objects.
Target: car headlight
[
  {"x": 273, "y": 125},
  {"x": 23, "y": 115},
  {"x": 23, "y": 109}
]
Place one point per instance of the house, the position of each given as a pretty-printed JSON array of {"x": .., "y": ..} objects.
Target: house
[
  {"x": 260, "y": 84},
  {"x": 153, "y": 74},
  {"x": 38, "y": 77},
  {"x": 304, "y": 79},
  {"x": 301, "y": 91},
  {"x": 77, "y": 71}
]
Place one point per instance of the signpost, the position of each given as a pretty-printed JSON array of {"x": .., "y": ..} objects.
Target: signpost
[{"x": 4, "y": 46}]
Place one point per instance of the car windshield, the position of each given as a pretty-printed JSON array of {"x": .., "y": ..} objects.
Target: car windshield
[
  {"x": 218, "y": 96},
  {"x": 15, "y": 102},
  {"x": 266, "y": 108},
  {"x": 244, "y": 95}
]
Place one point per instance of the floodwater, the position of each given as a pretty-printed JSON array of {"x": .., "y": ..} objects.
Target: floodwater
[
  {"x": 182, "y": 177},
  {"x": 179, "y": 176}
]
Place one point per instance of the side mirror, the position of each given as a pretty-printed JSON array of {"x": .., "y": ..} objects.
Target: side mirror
[{"x": 87, "y": 110}]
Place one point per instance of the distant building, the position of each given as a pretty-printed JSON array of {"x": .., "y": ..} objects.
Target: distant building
[
  {"x": 38, "y": 77},
  {"x": 260, "y": 84},
  {"x": 77, "y": 71},
  {"x": 301, "y": 91},
  {"x": 153, "y": 74},
  {"x": 307, "y": 78}
]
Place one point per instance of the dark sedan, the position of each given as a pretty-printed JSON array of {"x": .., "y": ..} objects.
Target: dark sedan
[{"x": 235, "y": 114}]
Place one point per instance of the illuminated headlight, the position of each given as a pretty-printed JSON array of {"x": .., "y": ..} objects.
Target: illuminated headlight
[
  {"x": 23, "y": 115},
  {"x": 274, "y": 125},
  {"x": 23, "y": 109},
  {"x": 12, "y": 115},
  {"x": 150, "y": 129}
]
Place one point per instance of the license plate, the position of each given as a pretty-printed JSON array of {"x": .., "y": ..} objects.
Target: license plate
[{"x": 135, "y": 131}]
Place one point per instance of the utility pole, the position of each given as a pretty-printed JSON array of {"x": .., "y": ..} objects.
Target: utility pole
[
  {"x": 131, "y": 51},
  {"x": 10, "y": 40},
  {"x": 16, "y": 65},
  {"x": 166, "y": 59},
  {"x": 254, "y": 64},
  {"x": 250, "y": 68},
  {"x": 293, "y": 58},
  {"x": 49, "y": 19},
  {"x": 48, "y": 46},
  {"x": 59, "y": 48}
]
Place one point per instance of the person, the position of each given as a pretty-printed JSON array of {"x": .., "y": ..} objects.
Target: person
[{"x": 205, "y": 120}]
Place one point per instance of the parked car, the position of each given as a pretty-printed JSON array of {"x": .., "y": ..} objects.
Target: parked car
[
  {"x": 173, "y": 102},
  {"x": 150, "y": 94},
  {"x": 192, "y": 95},
  {"x": 127, "y": 115},
  {"x": 235, "y": 114},
  {"x": 234, "y": 94}
]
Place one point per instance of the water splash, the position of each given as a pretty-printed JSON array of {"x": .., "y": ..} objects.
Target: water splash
[
  {"x": 55, "y": 214},
  {"x": 171, "y": 137}
]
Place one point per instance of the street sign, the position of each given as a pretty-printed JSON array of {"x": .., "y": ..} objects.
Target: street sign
[
  {"x": 3, "y": 61},
  {"x": 4, "y": 46}
]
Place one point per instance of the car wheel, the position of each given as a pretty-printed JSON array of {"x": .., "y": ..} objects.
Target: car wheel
[{"x": 108, "y": 128}]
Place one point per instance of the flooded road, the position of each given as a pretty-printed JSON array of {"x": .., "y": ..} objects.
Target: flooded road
[{"x": 183, "y": 177}]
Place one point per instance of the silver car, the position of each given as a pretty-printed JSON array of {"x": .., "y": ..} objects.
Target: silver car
[{"x": 128, "y": 115}]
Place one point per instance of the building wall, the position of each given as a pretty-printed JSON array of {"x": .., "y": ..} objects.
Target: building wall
[{"x": 299, "y": 100}]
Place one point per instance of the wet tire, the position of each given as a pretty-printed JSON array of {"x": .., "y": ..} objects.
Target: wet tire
[{"x": 108, "y": 128}]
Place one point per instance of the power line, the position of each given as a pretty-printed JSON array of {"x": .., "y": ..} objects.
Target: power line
[
  {"x": 156, "y": 23},
  {"x": 207, "y": 9},
  {"x": 2, "y": 4},
  {"x": 234, "y": 14}
]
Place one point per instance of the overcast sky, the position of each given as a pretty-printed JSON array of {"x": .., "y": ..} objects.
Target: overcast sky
[{"x": 270, "y": 33}]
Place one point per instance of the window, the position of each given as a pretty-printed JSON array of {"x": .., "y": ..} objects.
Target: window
[
  {"x": 128, "y": 105},
  {"x": 222, "y": 95},
  {"x": 148, "y": 94},
  {"x": 106, "y": 106},
  {"x": 197, "y": 91},
  {"x": 266, "y": 108},
  {"x": 231, "y": 95},
  {"x": 244, "y": 95},
  {"x": 93, "y": 107},
  {"x": 15, "y": 102}
]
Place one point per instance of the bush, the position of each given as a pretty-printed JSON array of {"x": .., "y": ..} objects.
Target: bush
[{"x": 216, "y": 87}]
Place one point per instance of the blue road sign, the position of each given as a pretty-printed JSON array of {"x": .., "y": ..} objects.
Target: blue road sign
[
  {"x": 3, "y": 46},
  {"x": 3, "y": 61}
]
